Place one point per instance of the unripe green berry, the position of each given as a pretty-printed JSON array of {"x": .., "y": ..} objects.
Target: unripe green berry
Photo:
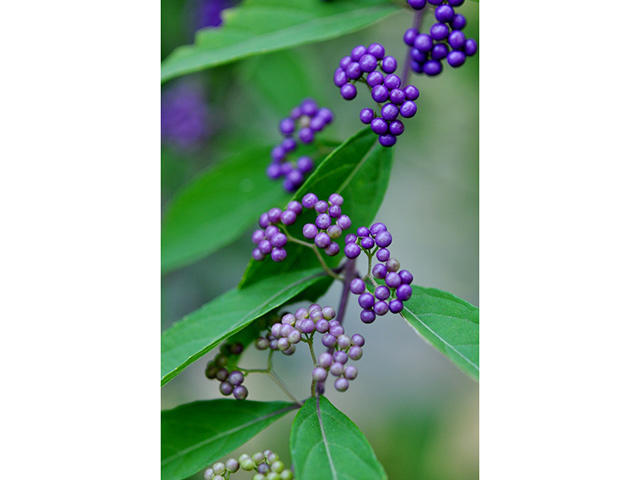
[
  {"x": 211, "y": 370},
  {"x": 277, "y": 466},
  {"x": 232, "y": 465},
  {"x": 221, "y": 360},
  {"x": 247, "y": 464},
  {"x": 218, "y": 477},
  {"x": 286, "y": 474},
  {"x": 219, "y": 468},
  {"x": 272, "y": 457},
  {"x": 258, "y": 457},
  {"x": 258, "y": 476},
  {"x": 208, "y": 474},
  {"x": 274, "y": 476},
  {"x": 243, "y": 457}
]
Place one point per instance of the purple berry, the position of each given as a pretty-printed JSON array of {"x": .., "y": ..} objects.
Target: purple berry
[
  {"x": 295, "y": 207},
  {"x": 350, "y": 238},
  {"x": 328, "y": 340},
  {"x": 306, "y": 135},
  {"x": 396, "y": 96},
  {"x": 383, "y": 239},
  {"x": 294, "y": 337},
  {"x": 265, "y": 247},
  {"x": 406, "y": 276},
  {"x": 288, "y": 217},
  {"x": 456, "y": 39},
  {"x": 354, "y": 71},
  {"x": 274, "y": 215},
  {"x": 440, "y": 51},
  {"x": 340, "y": 77},
  {"x": 357, "y": 286},
  {"x": 321, "y": 206},
  {"x": 351, "y": 250},
  {"x": 366, "y": 115},
  {"x": 393, "y": 279},
  {"x": 396, "y": 127},
  {"x": 423, "y": 42},
  {"x": 332, "y": 249},
  {"x": 379, "y": 126},
  {"x": 393, "y": 265},
  {"x": 392, "y": 81},
  {"x": 456, "y": 58},
  {"x": 458, "y": 22},
  {"x": 379, "y": 270},
  {"x": 309, "y": 200},
  {"x": 390, "y": 111},
  {"x": 319, "y": 374},
  {"x": 395, "y": 306},
  {"x": 323, "y": 221},
  {"x": 257, "y": 236},
  {"x": 381, "y": 307},
  {"x": 305, "y": 164},
  {"x": 348, "y": 91},
  {"x": 350, "y": 372},
  {"x": 367, "y": 63},
  {"x": 341, "y": 384},
  {"x": 278, "y": 153},
  {"x": 404, "y": 292},
  {"x": 345, "y": 61},
  {"x": 432, "y": 68},
  {"x": 355, "y": 353},
  {"x": 366, "y": 300},
  {"x": 235, "y": 378},
  {"x": 335, "y": 211},
  {"x": 408, "y": 109},
  {"x": 336, "y": 330},
  {"x": 322, "y": 240},
  {"x": 325, "y": 360},
  {"x": 375, "y": 78},
  {"x": 322, "y": 326},
  {"x": 326, "y": 115},
  {"x": 418, "y": 56},
  {"x": 307, "y": 326},
  {"x": 377, "y": 50},
  {"x": 344, "y": 222},
  {"x": 357, "y": 339},
  {"x": 341, "y": 357},
  {"x": 456, "y": 3},
  {"x": 444, "y": 13},
  {"x": 222, "y": 374},
  {"x": 411, "y": 92},
  {"x": 295, "y": 113},
  {"x": 270, "y": 231},
  {"x": 336, "y": 369},
  {"x": 358, "y": 52},
  {"x": 336, "y": 199},
  {"x": 283, "y": 344},
  {"x": 274, "y": 171},
  {"x": 279, "y": 240},
  {"x": 226, "y": 388},
  {"x": 309, "y": 230},
  {"x": 470, "y": 47},
  {"x": 379, "y": 93},
  {"x": 389, "y": 64},
  {"x": 317, "y": 123},
  {"x": 417, "y": 4},
  {"x": 343, "y": 342},
  {"x": 309, "y": 107},
  {"x": 334, "y": 231},
  {"x": 377, "y": 228},
  {"x": 382, "y": 292},
  {"x": 410, "y": 36},
  {"x": 328, "y": 313},
  {"x": 287, "y": 126},
  {"x": 366, "y": 243},
  {"x": 439, "y": 31},
  {"x": 367, "y": 316},
  {"x": 240, "y": 392},
  {"x": 383, "y": 254}
]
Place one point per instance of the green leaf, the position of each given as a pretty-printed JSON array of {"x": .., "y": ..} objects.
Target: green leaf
[
  {"x": 325, "y": 444},
  {"x": 199, "y": 433},
  {"x": 449, "y": 323},
  {"x": 200, "y": 331},
  {"x": 359, "y": 170},
  {"x": 218, "y": 207},
  {"x": 261, "y": 26}
]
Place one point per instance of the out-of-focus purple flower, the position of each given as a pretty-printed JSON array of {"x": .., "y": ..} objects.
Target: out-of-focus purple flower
[
  {"x": 207, "y": 13},
  {"x": 185, "y": 117}
]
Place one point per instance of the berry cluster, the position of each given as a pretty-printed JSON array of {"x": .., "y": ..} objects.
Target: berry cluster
[
  {"x": 444, "y": 40},
  {"x": 396, "y": 288},
  {"x": 329, "y": 223},
  {"x": 230, "y": 382},
  {"x": 267, "y": 464},
  {"x": 310, "y": 120},
  {"x": 345, "y": 348},
  {"x": 269, "y": 239},
  {"x": 286, "y": 333},
  {"x": 385, "y": 86}
]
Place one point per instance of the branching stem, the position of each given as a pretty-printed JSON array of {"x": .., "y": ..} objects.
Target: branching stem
[{"x": 406, "y": 70}]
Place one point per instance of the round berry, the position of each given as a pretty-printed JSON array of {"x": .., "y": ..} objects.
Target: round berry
[
  {"x": 325, "y": 360},
  {"x": 393, "y": 279},
  {"x": 322, "y": 240},
  {"x": 283, "y": 344},
  {"x": 418, "y": 56},
  {"x": 354, "y": 71},
  {"x": 278, "y": 254},
  {"x": 379, "y": 126},
  {"x": 288, "y": 216},
  {"x": 367, "y": 316},
  {"x": 383, "y": 255},
  {"x": 382, "y": 292},
  {"x": 383, "y": 239},
  {"x": 345, "y": 61},
  {"x": 393, "y": 265},
  {"x": 222, "y": 374},
  {"x": 395, "y": 306},
  {"x": 323, "y": 221},
  {"x": 456, "y": 58},
  {"x": 350, "y": 238},
  {"x": 343, "y": 342},
  {"x": 336, "y": 330},
  {"x": 362, "y": 231},
  {"x": 309, "y": 230},
  {"x": 350, "y": 372},
  {"x": 235, "y": 378},
  {"x": 392, "y": 81},
  {"x": 339, "y": 356},
  {"x": 387, "y": 140},
  {"x": 334, "y": 231},
  {"x": 367, "y": 242},
  {"x": 341, "y": 384},
  {"x": 410, "y": 36},
  {"x": 389, "y": 64},
  {"x": 278, "y": 153},
  {"x": 319, "y": 374},
  {"x": 444, "y": 13},
  {"x": 456, "y": 39},
  {"x": 396, "y": 127},
  {"x": 423, "y": 42},
  {"x": 357, "y": 286},
  {"x": 390, "y": 111},
  {"x": 294, "y": 337},
  {"x": 470, "y": 47},
  {"x": 307, "y": 326},
  {"x": 279, "y": 240},
  {"x": 440, "y": 51},
  {"x": 379, "y": 270},
  {"x": 309, "y": 107},
  {"x": 366, "y": 300},
  {"x": 396, "y": 96},
  {"x": 408, "y": 109},
  {"x": 366, "y": 115},
  {"x": 379, "y": 93},
  {"x": 348, "y": 91},
  {"x": 439, "y": 31},
  {"x": 358, "y": 52},
  {"x": 355, "y": 353},
  {"x": 326, "y": 115},
  {"x": 328, "y": 313},
  {"x": 336, "y": 368},
  {"x": 309, "y": 200},
  {"x": 306, "y": 135},
  {"x": 357, "y": 339},
  {"x": 335, "y": 211},
  {"x": 381, "y": 307},
  {"x": 322, "y": 326},
  {"x": 404, "y": 292},
  {"x": 321, "y": 206},
  {"x": 328, "y": 340},
  {"x": 226, "y": 388},
  {"x": 406, "y": 276},
  {"x": 332, "y": 249},
  {"x": 351, "y": 250},
  {"x": 343, "y": 222},
  {"x": 432, "y": 68},
  {"x": 265, "y": 246},
  {"x": 367, "y": 63},
  {"x": 377, "y": 50},
  {"x": 375, "y": 78},
  {"x": 340, "y": 77},
  {"x": 232, "y": 465},
  {"x": 458, "y": 22},
  {"x": 417, "y": 4}
]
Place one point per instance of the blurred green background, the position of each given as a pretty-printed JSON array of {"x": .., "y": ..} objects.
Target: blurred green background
[{"x": 419, "y": 412}]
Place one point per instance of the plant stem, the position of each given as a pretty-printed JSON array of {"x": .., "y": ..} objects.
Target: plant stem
[
  {"x": 323, "y": 264},
  {"x": 283, "y": 387},
  {"x": 406, "y": 70}
]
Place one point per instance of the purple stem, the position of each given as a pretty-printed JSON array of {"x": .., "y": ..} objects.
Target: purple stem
[
  {"x": 349, "y": 274},
  {"x": 406, "y": 70}
]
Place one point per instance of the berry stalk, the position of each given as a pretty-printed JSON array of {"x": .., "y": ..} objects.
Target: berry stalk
[{"x": 417, "y": 24}]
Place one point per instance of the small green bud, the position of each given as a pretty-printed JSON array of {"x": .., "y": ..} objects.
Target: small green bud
[
  {"x": 286, "y": 474},
  {"x": 258, "y": 476},
  {"x": 247, "y": 464},
  {"x": 277, "y": 466},
  {"x": 258, "y": 457},
  {"x": 219, "y": 468},
  {"x": 274, "y": 476},
  {"x": 272, "y": 457}
]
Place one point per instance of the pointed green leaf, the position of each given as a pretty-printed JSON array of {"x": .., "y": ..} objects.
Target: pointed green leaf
[
  {"x": 449, "y": 323},
  {"x": 199, "y": 433},
  {"x": 359, "y": 170},
  {"x": 200, "y": 331},
  {"x": 260, "y": 26},
  {"x": 325, "y": 444}
]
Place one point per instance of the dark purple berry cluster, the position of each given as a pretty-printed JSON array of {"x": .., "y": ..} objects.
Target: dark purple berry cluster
[
  {"x": 230, "y": 382},
  {"x": 444, "y": 40},
  {"x": 308, "y": 120},
  {"x": 269, "y": 239},
  {"x": 345, "y": 348},
  {"x": 285, "y": 334},
  {"x": 267, "y": 466},
  {"x": 396, "y": 288},
  {"x": 371, "y": 67},
  {"x": 329, "y": 223}
]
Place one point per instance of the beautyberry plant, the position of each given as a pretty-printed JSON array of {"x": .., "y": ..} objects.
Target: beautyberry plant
[{"x": 320, "y": 235}]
